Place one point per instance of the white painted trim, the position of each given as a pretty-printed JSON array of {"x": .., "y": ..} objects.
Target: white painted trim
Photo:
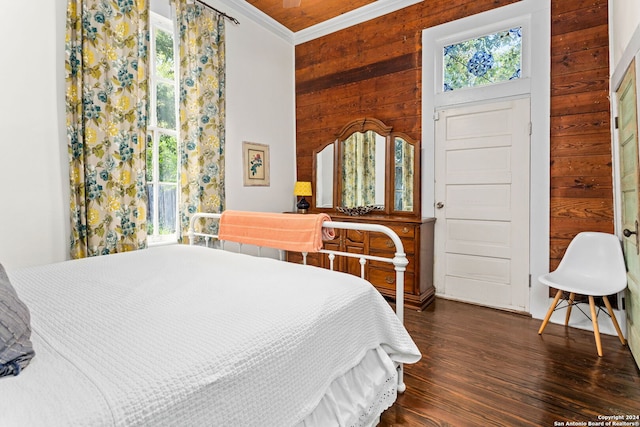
[
  {"x": 349, "y": 19},
  {"x": 346, "y": 20},
  {"x": 615, "y": 79},
  {"x": 260, "y": 18},
  {"x": 520, "y": 86},
  {"x": 631, "y": 52},
  {"x": 539, "y": 13}
]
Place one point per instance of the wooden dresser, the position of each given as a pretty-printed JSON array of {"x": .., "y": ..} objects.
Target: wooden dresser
[
  {"x": 417, "y": 238},
  {"x": 371, "y": 165}
]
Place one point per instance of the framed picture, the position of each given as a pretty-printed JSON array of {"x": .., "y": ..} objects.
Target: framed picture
[{"x": 255, "y": 164}]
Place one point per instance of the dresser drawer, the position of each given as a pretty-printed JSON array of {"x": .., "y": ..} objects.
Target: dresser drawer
[
  {"x": 382, "y": 242},
  {"x": 404, "y": 230},
  {"x": 386, "y": 279},
  {"x": 355, "y": 236}
]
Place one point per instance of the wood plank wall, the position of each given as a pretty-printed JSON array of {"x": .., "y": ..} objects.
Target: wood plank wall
[
  {"x": 581, "y": 162},
  {"x": 374, "y": 70}
]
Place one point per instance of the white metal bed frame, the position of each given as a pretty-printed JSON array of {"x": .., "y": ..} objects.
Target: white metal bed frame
[{"x": 399, "y": 259}]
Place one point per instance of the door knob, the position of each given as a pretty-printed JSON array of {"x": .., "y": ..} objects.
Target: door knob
[
  {"x": 439, "y": 205},
  {"x": 629, "y": 233}
]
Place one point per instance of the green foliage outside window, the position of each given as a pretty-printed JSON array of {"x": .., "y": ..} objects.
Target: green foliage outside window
[
  {"x": 165, "y": 91},
  {"x": 164, "y": 55},
  {"x": 162, "y": 188},
  {"x": 149, "y": 152},
  {"x": 168, "y": 158},
  {"x": 166, "y": 107}
]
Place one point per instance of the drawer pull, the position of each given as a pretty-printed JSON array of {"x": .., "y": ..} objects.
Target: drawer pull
[
  {"x": 405, "y": 230},
  {"x": 390, "y": 244},
  {"x": 390, "y": 279}
]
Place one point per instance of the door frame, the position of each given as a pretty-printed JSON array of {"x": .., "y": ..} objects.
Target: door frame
[
  {"x": 631, "y": 53},
  {"x": 536, "y": 15}
]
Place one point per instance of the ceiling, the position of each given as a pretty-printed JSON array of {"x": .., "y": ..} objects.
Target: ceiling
[
  {"x": 309, "y": 13},
  {"x": 313, "y": 18}
]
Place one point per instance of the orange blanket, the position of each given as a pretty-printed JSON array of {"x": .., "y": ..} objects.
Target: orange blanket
[{"x": 292, "y": 232}]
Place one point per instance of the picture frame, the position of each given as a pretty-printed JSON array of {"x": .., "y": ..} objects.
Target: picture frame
[{"x": 255, "y": 164}]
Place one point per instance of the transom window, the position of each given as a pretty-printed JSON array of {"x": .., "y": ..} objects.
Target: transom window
[
  {"x": 492, "y": 58},
  {"x": 162, "y": 136}
]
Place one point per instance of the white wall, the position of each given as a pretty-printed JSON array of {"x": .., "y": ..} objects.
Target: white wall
[
  {"x": 33, "y": 178},
  {"x": 260, "y": 108},
  {"x": 34, "y": 223},
  {"x": 624, "y": 18}
]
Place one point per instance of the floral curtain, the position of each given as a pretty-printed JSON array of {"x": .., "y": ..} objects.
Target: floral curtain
[
  {"x": 106, "y": 105},
  {"x": 359, "y": 171},
  {"x": 202, "y": 110}
]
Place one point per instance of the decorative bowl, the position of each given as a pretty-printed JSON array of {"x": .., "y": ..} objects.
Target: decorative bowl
[{"x": 358, "y": 210}]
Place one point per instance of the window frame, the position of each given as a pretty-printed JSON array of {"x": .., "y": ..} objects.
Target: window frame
[
  {"x": 495, "y": 90},
  {"x": 158, "y": 22}
]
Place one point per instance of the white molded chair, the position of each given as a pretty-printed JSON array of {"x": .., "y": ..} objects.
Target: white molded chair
[{"x": 593, "y": 265}]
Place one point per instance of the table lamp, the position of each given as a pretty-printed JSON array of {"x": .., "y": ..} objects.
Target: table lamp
[{"x": 302, "y": 189}]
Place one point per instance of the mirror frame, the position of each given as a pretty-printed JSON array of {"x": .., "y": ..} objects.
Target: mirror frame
[
  {"x": 360, "y": 125},
  {"x": 363, "y": 125}
]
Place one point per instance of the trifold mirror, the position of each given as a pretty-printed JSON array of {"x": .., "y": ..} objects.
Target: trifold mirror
[{"x": 368, "y": 166}]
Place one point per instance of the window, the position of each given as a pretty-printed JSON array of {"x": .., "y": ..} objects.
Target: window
[
  {"x": 489, "y": 59},
  {"x": 162, "y": 136}
]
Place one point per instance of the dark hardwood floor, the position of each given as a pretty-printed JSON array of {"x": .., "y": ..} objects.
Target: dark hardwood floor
[{"x": 485, "y": 367}]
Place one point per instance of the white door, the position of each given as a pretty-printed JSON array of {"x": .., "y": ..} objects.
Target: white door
[{"x": 482, "y": 204}]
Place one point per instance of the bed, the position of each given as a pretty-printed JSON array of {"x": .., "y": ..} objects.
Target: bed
[{"x": 187, "y": 335}]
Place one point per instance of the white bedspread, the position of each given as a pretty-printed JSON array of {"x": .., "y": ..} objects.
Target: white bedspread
[{"x": 187, "y": 336}]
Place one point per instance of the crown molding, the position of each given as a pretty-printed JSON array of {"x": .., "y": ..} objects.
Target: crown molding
[
  {"x": 346, "y": 20},
  {"x": 349, "y": 19},
  {"x": 260, "y": 18}
]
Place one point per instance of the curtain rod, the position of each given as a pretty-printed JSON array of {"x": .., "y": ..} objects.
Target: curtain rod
[{"x": 230, "y": 18}]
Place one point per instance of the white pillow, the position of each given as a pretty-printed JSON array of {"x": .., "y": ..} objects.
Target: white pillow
[{"x": 16, "y": 350}]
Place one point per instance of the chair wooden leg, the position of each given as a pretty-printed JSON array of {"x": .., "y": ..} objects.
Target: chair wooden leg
[
  {"x": 550, "y": 312},
  {"x": 572, "y": 296},
  {"x": 594, "y": 320},
  {"x": 613, "y": 319}
]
